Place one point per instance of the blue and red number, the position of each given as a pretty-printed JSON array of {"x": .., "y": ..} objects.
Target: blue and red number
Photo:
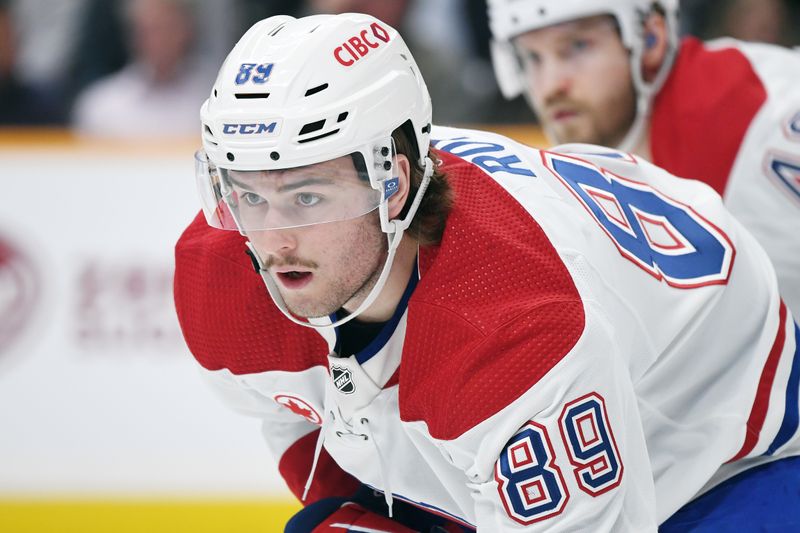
[
  {"x": 590, "y": 444},
  {"x": 530, "y": 484},
  {"x": 667, "y": 239}
]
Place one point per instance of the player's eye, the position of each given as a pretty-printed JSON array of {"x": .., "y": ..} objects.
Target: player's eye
[
  {"x": 530, "y": 58},
  {"x": 252, "y": 198},
  {"x": 579, "y": 45},
  {"x": 307, "y": 199}
]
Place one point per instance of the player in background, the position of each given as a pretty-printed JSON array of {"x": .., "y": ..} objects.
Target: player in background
[
  {"x": 614, "y": 72},
  {"x": 463, "y": 332}
]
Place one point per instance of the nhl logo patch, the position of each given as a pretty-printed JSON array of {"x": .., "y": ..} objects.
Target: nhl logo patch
[{"x": 343, "y": 379}]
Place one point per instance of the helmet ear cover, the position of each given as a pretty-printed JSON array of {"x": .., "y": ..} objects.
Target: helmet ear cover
[{"x": 506, "y": 68}]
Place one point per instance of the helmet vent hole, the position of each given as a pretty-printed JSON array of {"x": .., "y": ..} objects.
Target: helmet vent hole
[
  {"x": 274, "y": 156},
  {"x": 230, "y": 156},
  {"x": 215, "y": 93},
  {"x": 314, "y": 28},
  {"x": 208, "y": 135},
  {"x": 274, "y": 32},
  {"x": 326, "y": 134},
  {"x": 312, "y": 126},
  {"x": 251, "y": 96},
  {"x": 342, "y": 116},
  {"x": 542, "y": 11},
  {"x": 317, "y": 89}
]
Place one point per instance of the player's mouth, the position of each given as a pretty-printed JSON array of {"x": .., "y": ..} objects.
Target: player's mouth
[
  {"x": 562, "y": 115},
  {"x": 294, "y": 279}
]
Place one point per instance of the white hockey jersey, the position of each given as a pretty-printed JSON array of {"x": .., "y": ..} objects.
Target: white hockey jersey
[
  {"x": 729, "y": 115},
  {"x": 592, "y": 343}
]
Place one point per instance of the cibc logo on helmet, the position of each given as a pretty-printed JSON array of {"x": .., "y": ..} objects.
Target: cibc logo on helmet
[{"x": 359, "y": 45}]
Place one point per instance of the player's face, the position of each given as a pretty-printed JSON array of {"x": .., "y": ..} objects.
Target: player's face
[
  {"x": 322, "y": 267},
  {"x": 579, "y": 80}
]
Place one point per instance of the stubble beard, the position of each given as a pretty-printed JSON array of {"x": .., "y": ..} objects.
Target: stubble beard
[
  {"x": 348, "y": 290},
  {"x": 595, "y": 124}
]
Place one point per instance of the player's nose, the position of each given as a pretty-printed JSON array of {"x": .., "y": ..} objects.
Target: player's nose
[
  {"x": 553, "y": 80},
  {"x": 275, "y": 242}
]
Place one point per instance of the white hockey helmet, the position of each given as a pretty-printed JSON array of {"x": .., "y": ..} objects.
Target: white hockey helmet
[
  {"x": 298, "y": 92},
  {"x": 511, "y": 18}
]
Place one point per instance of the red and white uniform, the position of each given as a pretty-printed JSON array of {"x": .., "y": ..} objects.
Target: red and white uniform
[
  {"x": 585, "y": 350},
  {"x": 729, "y": 115}
]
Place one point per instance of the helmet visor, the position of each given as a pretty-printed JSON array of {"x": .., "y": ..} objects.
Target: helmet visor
[{"x": 331, "y": 191}]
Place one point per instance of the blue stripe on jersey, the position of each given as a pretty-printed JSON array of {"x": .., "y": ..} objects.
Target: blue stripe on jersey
[
  {"x": 790, "y": 416},
  {"x": 430, "y": 508}
]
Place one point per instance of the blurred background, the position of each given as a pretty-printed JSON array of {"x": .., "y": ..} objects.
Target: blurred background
[{"x": 105, "y": 424}]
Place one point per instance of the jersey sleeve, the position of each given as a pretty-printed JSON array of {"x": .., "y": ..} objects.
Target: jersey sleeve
[
  {"x": 763, "y": 188},
  {"x": 568, "y": 454},
  {"x": 740, "y": 135}
]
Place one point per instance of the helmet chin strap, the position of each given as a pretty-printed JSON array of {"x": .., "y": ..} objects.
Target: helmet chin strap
[
  {"x": 645, "y": 92},
  {"x": 394, "y": 231},
  {"x": 631, "y": 140}
]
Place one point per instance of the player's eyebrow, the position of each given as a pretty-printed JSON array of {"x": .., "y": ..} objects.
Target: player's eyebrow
[
  {"x": 289, "y": 186},
  {"x": 304, "y": 182}
]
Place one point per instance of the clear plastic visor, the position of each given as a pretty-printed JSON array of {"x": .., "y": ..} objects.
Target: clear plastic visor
[{"x": 331, "y": 191}]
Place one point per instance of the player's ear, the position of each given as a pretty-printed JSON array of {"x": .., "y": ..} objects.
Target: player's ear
[
  {"x": 402, "y": 169},
  {"x": 655, "y": 45}
]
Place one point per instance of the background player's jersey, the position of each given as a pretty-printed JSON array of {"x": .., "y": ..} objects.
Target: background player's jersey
[
  {"x": 592, "y": 343},
  {"x": 741, "y": 135}
]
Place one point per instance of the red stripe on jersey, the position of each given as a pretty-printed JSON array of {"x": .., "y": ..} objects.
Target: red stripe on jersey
[
  {"x": 225, "y": 312},
  {"x": 494, "y": 312},
  {"x": 759, "y": 411},
  {"x": 329, "y": 479},
  {"x": 702, "y": 113}
]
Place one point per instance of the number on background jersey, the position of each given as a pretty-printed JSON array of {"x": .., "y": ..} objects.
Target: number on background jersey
[
  {"x": 783, "y": 167},
  {"x": 792, "y": 127},
  {"x": 531, "y": 485},
  {"x": 786, "y": 171},
  {"x": 667, "y": 239},
  {"x": 590, "y": 444}
]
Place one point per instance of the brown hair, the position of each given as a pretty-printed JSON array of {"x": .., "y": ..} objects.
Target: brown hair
[{"x": 429, "y": 222}]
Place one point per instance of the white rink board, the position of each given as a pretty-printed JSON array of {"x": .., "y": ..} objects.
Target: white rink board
[{"x": 98, "y": 393}]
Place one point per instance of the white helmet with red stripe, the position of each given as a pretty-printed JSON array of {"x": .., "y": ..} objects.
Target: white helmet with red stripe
[{"x": 510, "y": 18}]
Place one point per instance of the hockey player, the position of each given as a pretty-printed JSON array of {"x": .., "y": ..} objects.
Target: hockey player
[
  {"x": 613, "y": 72},
  {"x": 483, "y": 334}
]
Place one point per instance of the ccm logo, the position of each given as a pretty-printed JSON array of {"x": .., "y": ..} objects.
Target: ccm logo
[
  {"x": 359, "y": 45},
  {"x": 249, "y": 129}
]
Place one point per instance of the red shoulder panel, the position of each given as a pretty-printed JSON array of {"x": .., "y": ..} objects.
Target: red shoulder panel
[
  {"x": 494, "y": 312},
  {"x": 702, "y": 113},
  {"x": 226, "y": 315}
]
